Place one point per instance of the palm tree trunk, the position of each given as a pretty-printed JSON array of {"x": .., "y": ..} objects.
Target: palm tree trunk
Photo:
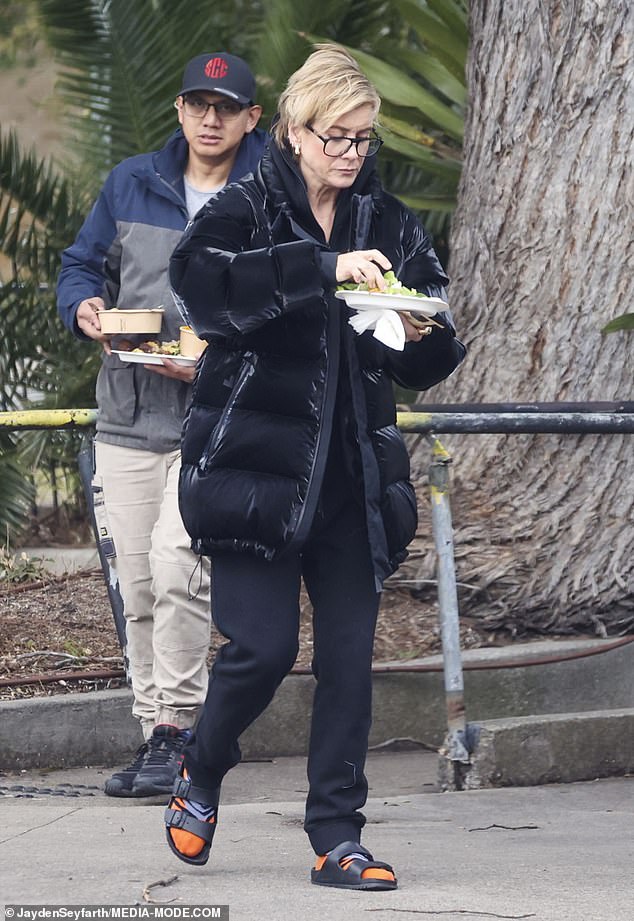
[{"x": 542, "y": 257}]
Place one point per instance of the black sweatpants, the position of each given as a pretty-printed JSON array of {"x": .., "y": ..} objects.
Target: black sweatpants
[{"x": 255, "y": 604}]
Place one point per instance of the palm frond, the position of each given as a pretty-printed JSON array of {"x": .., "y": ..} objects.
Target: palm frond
[
  {"x": 446, "y": 40},
  {"x": 401, "y": 89},
  {"x": 16, "y": 492},
  {"x": 429, "y": 70},
  {"x": 455, "y": 15},
  {"x": 40, "y": 213}
]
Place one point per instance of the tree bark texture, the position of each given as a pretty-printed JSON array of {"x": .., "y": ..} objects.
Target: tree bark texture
[{"x": 542, "y": 257}]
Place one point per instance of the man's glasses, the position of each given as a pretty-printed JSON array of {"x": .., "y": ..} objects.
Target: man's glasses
[
  {"x": 337, "y": 147},
  {"x": 196, "y": 107}
]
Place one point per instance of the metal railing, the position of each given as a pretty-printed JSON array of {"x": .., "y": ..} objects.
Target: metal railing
[{"x": 471, "y": 419}]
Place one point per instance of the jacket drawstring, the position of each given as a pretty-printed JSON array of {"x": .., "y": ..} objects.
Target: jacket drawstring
[{"x": 199, "y": 567}]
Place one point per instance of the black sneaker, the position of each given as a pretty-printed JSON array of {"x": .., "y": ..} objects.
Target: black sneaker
[
  {"x": 120, "y": 784},
  {"x": 165, "y": 754}
]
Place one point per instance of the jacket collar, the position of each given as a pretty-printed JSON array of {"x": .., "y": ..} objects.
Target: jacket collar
[
  {"x": 287, "y": 190},
  {"x": 170, "y": 161}
]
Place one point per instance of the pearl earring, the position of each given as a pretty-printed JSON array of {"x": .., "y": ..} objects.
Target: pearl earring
[{"x": 296, "y": 150}]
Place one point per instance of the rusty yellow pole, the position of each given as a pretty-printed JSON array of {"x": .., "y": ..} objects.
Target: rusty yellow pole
[
  {"x": 413, "y": 422},
  {"x": 47, "y": 418}
]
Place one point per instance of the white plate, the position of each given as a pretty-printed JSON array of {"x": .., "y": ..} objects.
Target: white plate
[
  {"x": 152, "y": 358},
  {"x": 368, "y": 300}
]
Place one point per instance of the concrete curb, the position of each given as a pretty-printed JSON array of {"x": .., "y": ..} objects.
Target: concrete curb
[
  {"x": 65, "y": 560},
  {"x": 561, "y": 748},
  {"x": 582, "y": 729}
]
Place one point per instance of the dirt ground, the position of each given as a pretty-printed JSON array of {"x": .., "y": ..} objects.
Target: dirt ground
[{"x": 65, "y": 624}]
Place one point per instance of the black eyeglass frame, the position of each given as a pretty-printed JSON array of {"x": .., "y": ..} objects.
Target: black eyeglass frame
[
  {"x": 373, "y": 139},
  {"x": 213, "y": 105}
]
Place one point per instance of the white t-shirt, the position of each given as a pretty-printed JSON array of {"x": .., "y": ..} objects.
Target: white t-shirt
[{"x": 195, "y": 199}]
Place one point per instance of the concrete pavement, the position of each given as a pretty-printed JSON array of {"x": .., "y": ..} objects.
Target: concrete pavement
[{"x": 550, "y": 853}]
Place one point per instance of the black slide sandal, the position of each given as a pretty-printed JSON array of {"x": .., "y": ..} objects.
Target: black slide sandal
[{"x": 331, "y": 873}]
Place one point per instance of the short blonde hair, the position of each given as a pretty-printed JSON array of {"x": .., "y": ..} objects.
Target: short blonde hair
[{"x": 329, "y": 84}]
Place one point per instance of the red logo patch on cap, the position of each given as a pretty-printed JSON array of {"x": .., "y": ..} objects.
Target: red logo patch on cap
[{"x": 216, "y": 68}]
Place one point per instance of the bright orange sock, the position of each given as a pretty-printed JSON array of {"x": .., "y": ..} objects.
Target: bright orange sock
[{"x": 186, "y": 842}]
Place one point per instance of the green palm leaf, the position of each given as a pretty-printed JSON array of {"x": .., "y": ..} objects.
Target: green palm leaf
[
  {"x": 401, "y": 89},
  {"x": 288, "y": 28},
  {"x": 39, "y": 215},
  {"x": 428, "y": 68},
  {"x": 454, "y": 13},
  {"x": 624, "y": 321},
  {"x": 441, "y": 203},
  {"x": 442, "y": 31},
  {"x": 421, "y": 156}
]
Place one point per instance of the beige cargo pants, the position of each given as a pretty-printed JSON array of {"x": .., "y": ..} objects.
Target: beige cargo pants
[{"x": 167, "y": 631}]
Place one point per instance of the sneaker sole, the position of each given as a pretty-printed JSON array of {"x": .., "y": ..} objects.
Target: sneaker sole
[
  {"x": 124, "y": 794},
  {"x": 152, "y": 790}
]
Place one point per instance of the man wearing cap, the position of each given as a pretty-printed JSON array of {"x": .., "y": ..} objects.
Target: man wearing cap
[{"x": 120, "y": 257}]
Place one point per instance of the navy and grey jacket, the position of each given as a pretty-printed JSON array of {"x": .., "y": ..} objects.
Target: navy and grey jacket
[
  {"x": 284, "y": 372},
  {"x": 122, "y": 254}
]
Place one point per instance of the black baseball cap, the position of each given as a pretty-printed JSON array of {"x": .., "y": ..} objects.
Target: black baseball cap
[{"x": 219, "y": 72}]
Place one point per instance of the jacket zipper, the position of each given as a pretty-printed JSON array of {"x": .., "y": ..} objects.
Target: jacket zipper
[
  {"x": 174, "y": 194},
  {"x": 248, "y": 367},
  {"x": 305, "y": 517}
]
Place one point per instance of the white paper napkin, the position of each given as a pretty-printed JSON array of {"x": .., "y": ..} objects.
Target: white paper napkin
[{"x": 387, "y": 325}]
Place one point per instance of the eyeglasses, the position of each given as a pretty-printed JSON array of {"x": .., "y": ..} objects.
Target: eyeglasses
[
  {"x": 196, "y": 107},
  {"x": 338, "y": 146}
]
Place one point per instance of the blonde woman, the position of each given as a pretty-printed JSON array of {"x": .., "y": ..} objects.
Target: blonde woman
[{"x": 292, "y": 463}]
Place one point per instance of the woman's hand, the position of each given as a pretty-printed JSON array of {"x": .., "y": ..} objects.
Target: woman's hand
[
  {"x": 414, "y": 333},
  {"x": 363, "y": 266}
]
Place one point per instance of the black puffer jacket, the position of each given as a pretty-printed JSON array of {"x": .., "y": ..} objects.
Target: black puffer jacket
[{"x": 284, "y": 369}]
